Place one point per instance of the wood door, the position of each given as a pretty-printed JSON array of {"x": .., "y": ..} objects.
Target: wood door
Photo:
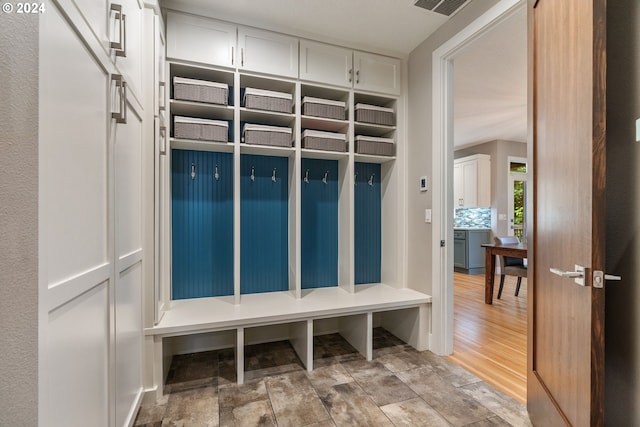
[{"x": 567, "y": 120}]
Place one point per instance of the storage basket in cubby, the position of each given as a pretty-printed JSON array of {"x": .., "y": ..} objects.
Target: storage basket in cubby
[
  {"x": 325, "y": 108},
  {"x": 200, "y": 91},
  {"x": 375, "y": 114},
  {"x": 375, "y": 145},
  {"x": 200, "y": 129},
  {"x": 260, "y": 99},
  {"x": 277, "y": 136},
  {"x": 327, "y": 141}
]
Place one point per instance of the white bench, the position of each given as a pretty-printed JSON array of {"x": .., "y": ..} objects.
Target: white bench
[{"x": 403, "y": 312}]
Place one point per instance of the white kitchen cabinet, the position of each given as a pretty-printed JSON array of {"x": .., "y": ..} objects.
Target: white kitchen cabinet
[
  {"x": 324, "y": 63},
  {"x": 267, "y": 52},
  {"x": 376, "y": 73},
  {"x": 203, "y": 40},
  {"x": 472, "y": 181}
]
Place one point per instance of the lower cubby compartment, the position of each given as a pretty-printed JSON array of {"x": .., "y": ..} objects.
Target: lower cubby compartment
[
  {"x": 367, "y": 223},
  {"x": 202, "y": 224}
]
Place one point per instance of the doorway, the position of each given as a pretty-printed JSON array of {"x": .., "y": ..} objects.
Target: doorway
[{"x": 443, "y": 137}]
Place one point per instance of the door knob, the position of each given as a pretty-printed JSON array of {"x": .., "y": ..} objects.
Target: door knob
[{"x": 577, "y": 274}]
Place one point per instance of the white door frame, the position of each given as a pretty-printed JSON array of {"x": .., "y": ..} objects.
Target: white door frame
[{"x": 441, "y": 340}]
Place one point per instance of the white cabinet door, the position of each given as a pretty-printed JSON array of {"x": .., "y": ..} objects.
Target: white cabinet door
[
  {"x": 129, "y": 58},
  {"x": 203, "y": 40},
  {"x": 470, "y": 184},
  {"x": 376, "y": 73},
  {"x": 74, "y": 251},
  {"x": 97, "y": 15},
  {"x": 326, "y": 64},
  {"x": 267, "y": 52},
  {"x": 160, "y": 91},
  {"x": 458, "y": 187}
]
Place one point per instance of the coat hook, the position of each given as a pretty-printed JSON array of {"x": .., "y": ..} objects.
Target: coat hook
[
  {"x": 216, "y": 175},
  {"x": 355, "y": 178},
  {"x": 324, "y": 179},
  {"x": 370, "y": 182},
  {"x": 193, "y": 171},
  {"x": 306, "y": 176},
  {"x": 273, "y": 175},
  {"x": 253, "y": 173}
]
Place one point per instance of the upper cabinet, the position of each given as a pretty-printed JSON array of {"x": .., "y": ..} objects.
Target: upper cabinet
[
  {"x": 326, "y": 64},
  {"x": 196, "y": 39},
  {"x": 472, "y": 181},
  {"x": 267, "y": 52},
  {"x": 376, "y": 73},
  {"x": 338, "y": 66}
]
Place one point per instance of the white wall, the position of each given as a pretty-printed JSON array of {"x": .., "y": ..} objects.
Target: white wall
[
  {"x": 419, "y": 144},
  {"x": 19, "y": 220}
]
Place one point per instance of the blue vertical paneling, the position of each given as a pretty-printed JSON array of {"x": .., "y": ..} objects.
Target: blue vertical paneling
[
  {"x": 202, "y": 224},
  {"x": 319, "y": 223},
  {"x": 264, "y": 224},
  {"x": 367, "y": 233}
]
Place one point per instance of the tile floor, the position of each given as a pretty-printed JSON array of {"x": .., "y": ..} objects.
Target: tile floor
[{"x": 400, "y": 387}]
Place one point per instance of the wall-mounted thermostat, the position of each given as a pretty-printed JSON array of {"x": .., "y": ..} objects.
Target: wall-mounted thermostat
[{"x": 423, "y": 183}]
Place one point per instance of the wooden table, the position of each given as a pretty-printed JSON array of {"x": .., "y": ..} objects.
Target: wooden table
[{"x": 491, "y": 250}]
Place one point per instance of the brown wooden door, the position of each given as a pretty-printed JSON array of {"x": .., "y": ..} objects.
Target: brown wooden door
[{"x": 567, "y": 122}]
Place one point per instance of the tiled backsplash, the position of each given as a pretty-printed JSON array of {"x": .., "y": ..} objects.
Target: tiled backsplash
[{"x": 472, "y": 217}]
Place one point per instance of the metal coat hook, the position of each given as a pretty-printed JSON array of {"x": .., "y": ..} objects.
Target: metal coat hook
[
  {"x": 370, "y": 182},
  {"x": 306, "y": 176},
  {"x": 193, "y": 171},
  {"x": 273, "y": 175},
  {"x": 216, "y": 175},
  {"x": 253, "y": 173},
  {"x": 355, "y": 178},
  {"x": 324, "y": 179}
]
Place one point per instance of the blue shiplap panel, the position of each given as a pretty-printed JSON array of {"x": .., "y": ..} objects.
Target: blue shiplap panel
[
  {"x": 202, "y": 224},
  {"x": 368, "y": 222},
  {"x": 264, "y": 224},
  {"x": 319, "y": 224}
]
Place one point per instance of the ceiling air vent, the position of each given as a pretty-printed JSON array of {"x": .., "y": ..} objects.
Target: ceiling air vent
[{"x": 444, "y": 7}]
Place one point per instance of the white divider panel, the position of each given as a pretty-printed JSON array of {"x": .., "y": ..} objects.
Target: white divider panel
[
  {"x": 301, "y": 338},
  {"x": 411, "y": 325},
  {"x": 358, "y": 331},
  {"x": 240, "y": 355}
]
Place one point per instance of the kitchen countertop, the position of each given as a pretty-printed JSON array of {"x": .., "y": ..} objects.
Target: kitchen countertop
[{"x": 472, "y": 228}]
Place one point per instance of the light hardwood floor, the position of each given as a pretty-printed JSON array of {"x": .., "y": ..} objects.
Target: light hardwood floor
[{"x": 490, "y": 341}]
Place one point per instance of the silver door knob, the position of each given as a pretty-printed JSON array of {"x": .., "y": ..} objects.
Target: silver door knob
[{"x": 599, "y": 277}]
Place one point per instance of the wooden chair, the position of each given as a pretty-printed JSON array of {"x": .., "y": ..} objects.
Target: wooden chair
[{"x": 509, "y": 265}]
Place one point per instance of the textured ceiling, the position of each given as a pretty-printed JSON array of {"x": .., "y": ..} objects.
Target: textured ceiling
[{"x": 490, "y": 85}]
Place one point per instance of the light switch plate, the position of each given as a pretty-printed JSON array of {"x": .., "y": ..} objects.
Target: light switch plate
[
  {"x": 637, "y": 130},
  {"x": 427, "y": 216}
]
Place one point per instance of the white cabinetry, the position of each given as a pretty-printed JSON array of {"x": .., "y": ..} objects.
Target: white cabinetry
[
  {"x": 472, "y": 181},
  {"x": 376, "y": 73},
  {"x": 267, "y": 52},
  {"x": 90, "y": 215},
  {"x": 339, "y": 66},
  {"x": 324, "y": 63},
  {"x": 128, "y": 57},
  {"x": 203, "y": 40}
]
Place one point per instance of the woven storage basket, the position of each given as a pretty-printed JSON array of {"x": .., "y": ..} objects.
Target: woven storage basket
[
  {"x": 375, "y": 146},
  {"x": 375, "y": 115},
  {"x": 200, "y": 91},
  {"x": 325, "y": 108},
  {"x": 200, "y": 129},
  {"x": 267, "y": 135},
  {"x": 327, "y": 141},
  {"x": 268, "y": 100}
]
